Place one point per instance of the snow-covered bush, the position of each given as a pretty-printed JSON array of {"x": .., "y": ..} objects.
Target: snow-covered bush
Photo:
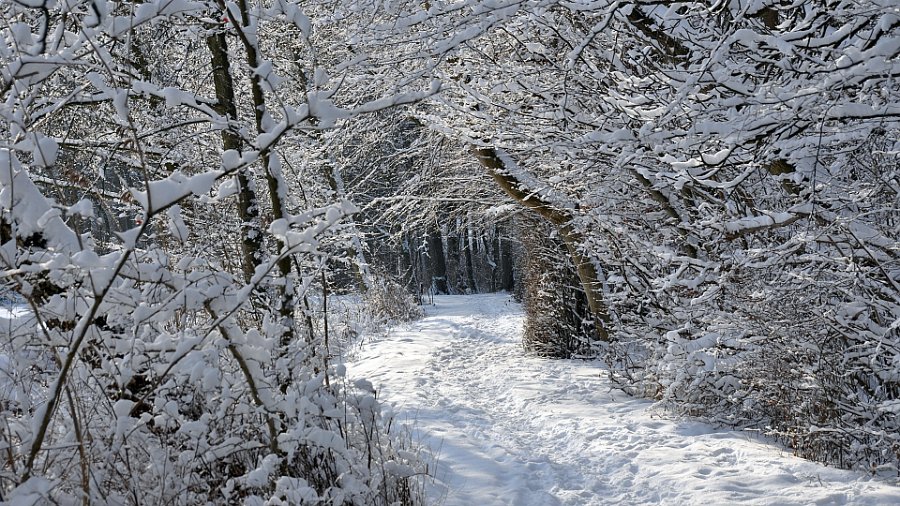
[
  {"x": 387, "y": 301},
  {"x": 148, "y": 378},
  {"x": 154, "y": 217},
  {"x": 558, "y": 320}
]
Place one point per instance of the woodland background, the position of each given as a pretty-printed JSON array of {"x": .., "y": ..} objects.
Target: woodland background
[{"x": 706, "y": 195}]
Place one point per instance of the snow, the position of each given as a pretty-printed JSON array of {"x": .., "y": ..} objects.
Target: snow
[
  {"x": 11, "y": 312},
  {"x": 531, "y": 184},
  {"x": 45, "y": 151},
  {"x": 32, "y": 213},
  {"x": 164, "y": 193},
  {"x": 759, "y": 222},
  {"x": 507, "y": 428}
]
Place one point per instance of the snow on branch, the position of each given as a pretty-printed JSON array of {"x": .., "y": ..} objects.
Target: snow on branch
[
  {"x": 30, "y": 211},
  {"x": 524, "y": 187},
  {"x": 766, "y": 221}
]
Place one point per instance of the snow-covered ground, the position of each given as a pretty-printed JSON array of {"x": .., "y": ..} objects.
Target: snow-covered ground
[{"x": 517, "y": 430}]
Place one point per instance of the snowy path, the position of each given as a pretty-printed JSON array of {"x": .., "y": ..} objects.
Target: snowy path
[{"x": 511, "y": 429}]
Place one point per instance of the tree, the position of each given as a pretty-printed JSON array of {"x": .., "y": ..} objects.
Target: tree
[
  {"x": 721, "y": 177},
  {"x": 707, "y": 160},
  {"x": 188, "y": 373}
]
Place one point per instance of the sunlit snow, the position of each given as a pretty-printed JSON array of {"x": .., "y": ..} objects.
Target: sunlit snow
[{"x": 506, "y": 428}]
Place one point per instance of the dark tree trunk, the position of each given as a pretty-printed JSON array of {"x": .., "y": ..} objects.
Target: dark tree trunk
[
  {"x": 437, "y": 260},
  {"x": 470, "y": 270},
  {"x": 248, "y": 207},
  {"x": 494, "y": 257},
  {"x": 454, "y": 272},
  {"x": 286, "y": 300},
  {"x": 505, "y": 257}
]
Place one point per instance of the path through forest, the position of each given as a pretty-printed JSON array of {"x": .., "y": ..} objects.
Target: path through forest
[{"x": 510, "y": 429}]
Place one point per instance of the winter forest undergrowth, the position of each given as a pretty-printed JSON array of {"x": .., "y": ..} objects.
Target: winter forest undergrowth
[{"x": 203, "y": 204}]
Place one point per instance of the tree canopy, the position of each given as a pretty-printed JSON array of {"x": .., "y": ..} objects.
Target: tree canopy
[{"x": 706, "y": 195}]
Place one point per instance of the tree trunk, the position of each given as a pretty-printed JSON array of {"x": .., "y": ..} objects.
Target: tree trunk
[
  {"x": 277, "y": 192},
  {"x": 562, "y": 220},
  {"x": 505, "y": 257},
  {"x": 494, "y": 257},
  {"x": 437, "y": 260},
  {"x": 470, "y": 270},
  {"x": 248, "y": 207},
  {"x": 455, "y": 282}
]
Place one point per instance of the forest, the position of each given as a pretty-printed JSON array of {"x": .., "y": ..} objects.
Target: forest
[{"x": 204, "y": 203}]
